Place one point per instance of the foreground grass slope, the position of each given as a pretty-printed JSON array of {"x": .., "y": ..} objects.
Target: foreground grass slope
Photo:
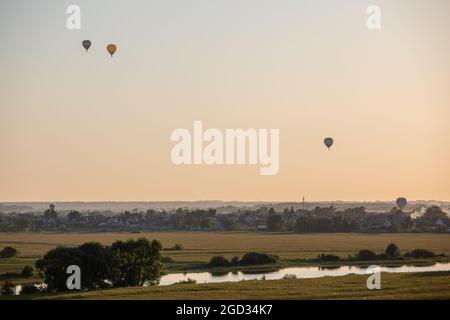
[{"x": 394, "y": 286}]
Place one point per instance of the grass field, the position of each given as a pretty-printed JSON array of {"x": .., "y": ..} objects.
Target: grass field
[
  {"x": 393, "y": 286},
  {"x": 199, "y": 247}
]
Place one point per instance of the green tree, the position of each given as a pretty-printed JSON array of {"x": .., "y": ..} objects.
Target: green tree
[
  {"x": 73, "y": 216},
  {"x": 97, "y": 264},
  {"x": 435, "y": 212},
  {"x": 8, "y": 289},
  {"x": 228, "y": 223},
  {"x": 366, "y": 255},
  {"x": 27, "y": 272},
  {"x": 275, "y": 222},
  {"x": 8, "y": 252},
  {"x": 219, "y": 261},
  {"x": 139, "y": 261},
  {"x": 392, "y": 251},
  {"x": 51, "y": 213}
]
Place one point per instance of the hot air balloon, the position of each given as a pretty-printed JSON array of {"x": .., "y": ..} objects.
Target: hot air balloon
[
  {"x": 111, "y": 48},
  {"x": 401, "y": 203},
  {"x": 328, "y": 142},
  {"x": 86, "y": 44}
]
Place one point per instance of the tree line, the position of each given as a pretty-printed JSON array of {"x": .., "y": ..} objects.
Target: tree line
[
  {"x": 124, "y": 263},
  {"x": 319, "y": 219}
]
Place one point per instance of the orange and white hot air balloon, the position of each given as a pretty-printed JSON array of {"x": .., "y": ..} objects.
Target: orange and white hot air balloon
[{"x": 111, "y": 48}]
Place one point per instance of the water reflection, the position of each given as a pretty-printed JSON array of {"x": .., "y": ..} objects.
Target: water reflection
[{"x": 299, "y": 272}]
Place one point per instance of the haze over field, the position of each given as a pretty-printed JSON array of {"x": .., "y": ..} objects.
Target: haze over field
[
  {"x": 221, "y": 206},
  {"x": 77, "y": 125}
]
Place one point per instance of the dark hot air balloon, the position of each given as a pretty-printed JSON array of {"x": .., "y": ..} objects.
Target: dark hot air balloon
[
  {"x": 111, "y": 48},
  {"x": 328, "y": 142},
  {"x": 87, "y": 44},
  {"x": 401, "y": 203}
]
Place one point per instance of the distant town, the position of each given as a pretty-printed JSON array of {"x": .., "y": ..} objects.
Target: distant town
[{"x": 296, "y": 218}]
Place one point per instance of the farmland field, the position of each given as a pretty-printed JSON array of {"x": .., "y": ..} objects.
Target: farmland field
[
  {"x": 199, "y": 247},
  {"x": 393, "y": 286}
]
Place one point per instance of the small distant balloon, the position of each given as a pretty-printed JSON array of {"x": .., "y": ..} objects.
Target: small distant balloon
[
  {"x": 87, "y": 44},
  {"x": 328, "y": 142},
  {"x": 401, "y": 203},
  {"x": 111, "y": 48}
]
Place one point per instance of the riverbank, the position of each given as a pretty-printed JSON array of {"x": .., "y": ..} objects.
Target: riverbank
[
  {"x": 433, "y": 285},
  {"x": 205, "y": 267},
  {"x": 199, "y": 247}
]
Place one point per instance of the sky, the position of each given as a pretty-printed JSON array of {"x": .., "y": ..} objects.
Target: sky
[{"x": 82, "y": 126}]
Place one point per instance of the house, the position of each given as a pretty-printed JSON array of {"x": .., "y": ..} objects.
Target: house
[
  {"x": 401, "y": 220},
  {"x": 376, "y": 222}
]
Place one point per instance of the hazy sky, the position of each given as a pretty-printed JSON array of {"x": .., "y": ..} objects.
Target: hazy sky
[{"x": 84, "y": 126}]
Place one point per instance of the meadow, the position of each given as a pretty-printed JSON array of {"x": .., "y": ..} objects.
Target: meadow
[
  {"x": 393, "y": 286},
  {"x": 199, "y": 247}
]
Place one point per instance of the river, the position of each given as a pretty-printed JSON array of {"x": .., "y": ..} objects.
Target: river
[{"x": 298, "y": 272}]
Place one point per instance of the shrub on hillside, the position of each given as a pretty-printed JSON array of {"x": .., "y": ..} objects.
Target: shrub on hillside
[
  {"x": 329, "y": 258},
  {"x": 177, "y": 246},
  {"x": 219, "y": 261},
  {"x": 235, "y": 260},
  {"x": 421, "y": 254},
  {"x": 29, "y": 289},
  {"x": 8, "y": 252},
  {"x": 366, "y": 255},
  {"x": 167, "y": 260},
  {"x": 187, "y": 281},
  {"x": 392, "y": 251},
  {"x": 27, "y": 272},
  {"x": 251, "y": 258},
  {"x": 8, "y": 289}
]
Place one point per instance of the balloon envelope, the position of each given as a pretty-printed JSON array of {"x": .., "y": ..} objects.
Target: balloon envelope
[
  {"x": 328, "y": 142},
  {"x": 111, "y": 49},
  {"x": 87, "y": 44},
  {"x": 401, "y": 203}
]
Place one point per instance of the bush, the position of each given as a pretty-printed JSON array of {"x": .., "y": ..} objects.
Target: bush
[
  {"x": 422, "y": 254},
  {"x": 9, "y": 275},
  {"x": 382, "y": 256},
  {"x": 392, "y": 251},
  {"x": 177, "y": 246},
  {"x": 289, "y": 277},
  {"x": 219, "y": 261},
  {"x": 366, "y": 255},
  {"x": 329, "y": 258},
  {"x": 8, "y": 289},
  {"x": 29, "y": 289},
  {"x": 167, "y": 260},
  {"x": 27, "y": 272},
  {"x": 235, "y": 260},
  {"x": 8, "y": 252},
  {"x": 187, "y": 281},
  {"x": 251, "y": 258}
]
